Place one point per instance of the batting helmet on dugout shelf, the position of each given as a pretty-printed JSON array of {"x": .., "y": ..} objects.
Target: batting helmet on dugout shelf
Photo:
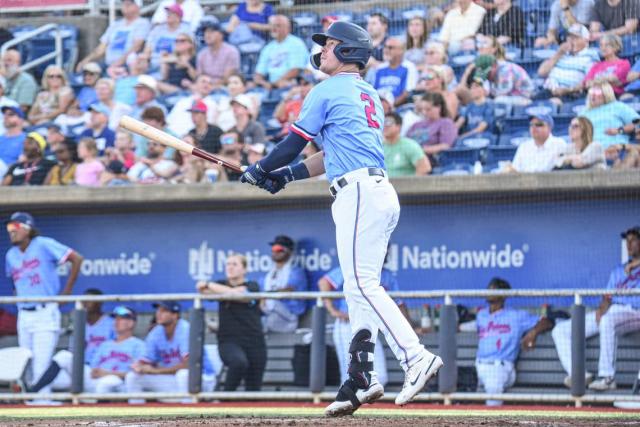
[{"x": 355, "y": 45}]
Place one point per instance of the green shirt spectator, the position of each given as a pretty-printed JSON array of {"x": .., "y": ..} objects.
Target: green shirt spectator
[
  {"x": 21, "y": 86},
  {"x": 402, "y": 156}
]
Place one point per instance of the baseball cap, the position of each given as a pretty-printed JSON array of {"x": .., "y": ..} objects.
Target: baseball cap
[
  {"x": 633, "y": 230},
  {"x": 198, "y": 107},
  {"x": 172, "y": 306},
  {"x": 92, "y": 67},
  {"x": 116, "y": 166},
  {"x": 99, "y": 107},
  {"x": 211, "y": 25},
  {"x": 15, "y": 109},
  {"x": 23, "y": 218},
  {"x": 145, "y": 80},
  {"x": 283, "y": 241},
  {"x": 124, "y": 312},
  {"x": 544, "y": 117},
  {"x": 42, "y": 143},
  {"x": 175, "y": 8},
  {"x": 243, "y": 100},
  {"x": 484, "y": 63},
  {"x": 578, "y": 30}
]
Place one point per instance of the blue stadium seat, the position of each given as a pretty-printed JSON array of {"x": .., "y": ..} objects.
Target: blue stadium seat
[
  {"x": 480, "y": 141},
  {"x": 248, "y": 63},
  {"x": 499, "y": 153},
  {"x": 561, "y": 123},
  {"x": 512, "y": 139},
  {"x": 630, "y": 46},
  {"x": 536, "y": 107},
  {"x": 515, "y": 124},
  {"x": 573, "y": 107},
  {"x": 459, "y": 155},
  {"x": 453, "y": 169},
  {"x": 501, "y": 110},
  {"x": 267, "y": 109}
]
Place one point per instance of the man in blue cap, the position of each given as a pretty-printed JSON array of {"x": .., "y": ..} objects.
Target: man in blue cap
[
  {"x": 539, "y": 153},
  {"x": 13, "y": 137},
  {"x": 31, "y": 264}
]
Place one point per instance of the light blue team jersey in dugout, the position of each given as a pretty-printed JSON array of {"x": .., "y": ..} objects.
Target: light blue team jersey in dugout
[
  {"x": 116, "y": 356},
  {"x": 347, "y": 113},
  {"x": 499, "y": 333}
]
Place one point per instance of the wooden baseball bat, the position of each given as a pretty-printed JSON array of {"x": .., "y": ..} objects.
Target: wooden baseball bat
[{"x": 141, "y": 128}]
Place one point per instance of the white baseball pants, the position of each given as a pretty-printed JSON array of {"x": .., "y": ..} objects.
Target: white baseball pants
[
  {"x": 177, "y": 383},
  {"x": 618, "y": 320},
  {"x": 106, "y": 384},
  {"x": 495, "y": 377},
  {"x": 342, "y": 339},
  {"x": 365, "y": 213},
  {"x": 38, "y": 331}
]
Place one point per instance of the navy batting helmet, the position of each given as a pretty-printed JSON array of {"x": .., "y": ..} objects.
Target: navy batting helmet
[{"x": 355, "y": 45}]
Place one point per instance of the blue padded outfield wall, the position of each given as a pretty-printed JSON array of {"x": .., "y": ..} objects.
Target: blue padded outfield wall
[{"x": 533, "y": 245}]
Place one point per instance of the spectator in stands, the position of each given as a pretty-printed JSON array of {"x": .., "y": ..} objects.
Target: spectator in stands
[
  {"x": 34, "y": 168},
  {"x": 124, "y": 149},
  {"x": 284, "y": 276},
  {"x": 612, "y": 120},
  {"x": 90, "y": 168},
  {"x": 204, "y": 135},
  {"x": 126, "y": 80},
  {"x": 236, "y": 85},
  {"x": 153, "y": 168},
  {"x": 154, "y": 117},
  {"x": 12, "y": 140},
  {"x": 618, "y": 17},
  {"x": 509, "y": 82},
  {"x": 485, "y": 45},
  {"x": 402, "y": 156},
  {"x": 251, "y": 130},
  {"x": 240, "y": 339},
  {"x": 191, "y": 168},
  {"x": 74, "y": 121},
  {"x": 4, "y": 100},
  {"x": 98, "y": 128},
  {"x": 289, "y": 107},
  {"x": 114, "y": 174},
  {"x": 54, "y": 98},
  {"x": 460, "y": 26},
  {"x": 164, "y": 365},
  {"x": 178, "y": 70},
  {"x": 437, "y": 132},
  {"x": 253, "y": 15},
  {"x": 21, "y": 86},
  {"x": 395, "y": 74},
  {"x": 161, "y": 39},
  {"x": 179, "y": 119},
  {"x": 633, "y": 78},
  {"x": 123, "y": 37},
  {"x": 146, "y": 92},
  {"x": 477, "y": 117},
  {"x": 505, "y": 22},
  {"x": 104, "y": 93},
  {"x": 107, "y": 365},
  {"x": 377, "y": 27},
  {"x": 64, "y": 172},
  {"x": 218, "y": 58},
  {"x": 612, "y": 69},
  {"x": 192, "y": 13},
  {"x": 502, "y": 331},
  {"x": 91, "y": 72},
  {"x": 55, "y": 136},
  {"x": 566, "y": 69},
  {"x": 582, "y": 152},
  {"x": 538, "y": 154},
  {"x": 436, "y": 55},
  {"x": 564, "y": 14},
  {"x": 615, "y": 316},
  {"x": 416, "y": 42},
  {"x": 233, "y": 151},
  {"x": 283, "y": 58},
  {"x": 433, "y": 80}
]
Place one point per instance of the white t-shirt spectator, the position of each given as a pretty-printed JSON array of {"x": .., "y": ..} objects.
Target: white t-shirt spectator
[
  {"x": 458, "y": 26},
  {"x": 533, "y": 158},
  {"x": 179, "y": 119},
  {"x": 142, "y": 173}
]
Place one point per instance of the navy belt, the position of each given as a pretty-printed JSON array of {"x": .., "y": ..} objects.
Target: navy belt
[
  {"x": 342, "y": 182},
  {"x": 33, "y": 307}
]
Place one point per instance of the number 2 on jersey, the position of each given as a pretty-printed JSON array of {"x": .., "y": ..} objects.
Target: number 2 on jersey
[{"x": 370, "y": 110}]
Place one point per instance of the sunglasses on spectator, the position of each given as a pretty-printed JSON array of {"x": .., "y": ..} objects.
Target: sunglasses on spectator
[
  {"x": 14, "y": 226},
  {"x": 432, "y": 52},
  {"x": 387, "y": 46},
  {"x": 91, "y": 73},
  {"x": 574, "y": 126},
  {"x": 54, "y": 76},
  {"x": 537, "y": 124},
  {"x": 9, "y": 113},
  {"x": 429, "y": 76},
  {"x": 183, "y": 41}
]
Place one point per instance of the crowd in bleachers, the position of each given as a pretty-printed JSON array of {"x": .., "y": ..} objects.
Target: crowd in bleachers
[{"x": 477, "y": 87}]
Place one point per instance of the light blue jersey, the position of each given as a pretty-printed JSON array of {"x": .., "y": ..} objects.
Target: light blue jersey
[
  {"x": 165, "y": 353},
  {"x": 387, "y": 280},
  {"x": 34, "y": 271},
  {"x": 118, "y": 356},
  {"x": 618, "y": 279},
  {"x": 347, "y": 113},
  {"x": 97, "y": 334},
  {"x": 499, "y": 333},
  {"x": 120, "y": 36}
]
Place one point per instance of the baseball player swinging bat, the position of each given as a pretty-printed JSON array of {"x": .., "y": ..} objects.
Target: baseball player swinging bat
[{"x": 140, "y": 128}]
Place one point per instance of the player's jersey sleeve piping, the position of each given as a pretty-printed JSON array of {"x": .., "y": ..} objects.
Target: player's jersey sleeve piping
[{"x": 297, "y": 129}]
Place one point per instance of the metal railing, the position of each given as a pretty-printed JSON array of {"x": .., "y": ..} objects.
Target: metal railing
[
  {"x": 57, "y": 52},
  {"x": 448, "y": 325}
]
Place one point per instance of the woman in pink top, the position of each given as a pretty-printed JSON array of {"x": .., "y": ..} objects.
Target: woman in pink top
[
  {"x": 88, "y": 172},
  {"x": 612, "y": 70}
]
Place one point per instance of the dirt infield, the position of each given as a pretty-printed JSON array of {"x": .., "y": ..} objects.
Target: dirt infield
[{"x": 291, "y": 414}]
